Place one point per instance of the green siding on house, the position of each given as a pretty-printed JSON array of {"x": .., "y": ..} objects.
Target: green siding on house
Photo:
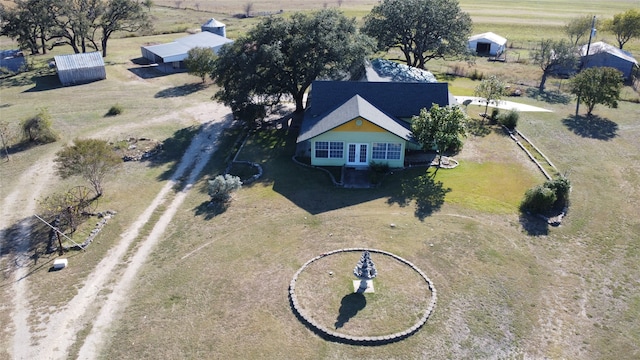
[{"x": 359, "y": 138}]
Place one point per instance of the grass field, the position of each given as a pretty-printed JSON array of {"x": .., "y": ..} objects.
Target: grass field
[{"x": 216, "y": 286}]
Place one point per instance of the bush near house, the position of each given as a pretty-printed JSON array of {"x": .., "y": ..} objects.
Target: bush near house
[
  {"x": 221, "y": 187},
  {"x": 552, "y": 195}
]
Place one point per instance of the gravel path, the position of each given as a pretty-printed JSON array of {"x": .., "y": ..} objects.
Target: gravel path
[
  {"x": 54, "y": 339},
  {"x": 502, "y": 104}
]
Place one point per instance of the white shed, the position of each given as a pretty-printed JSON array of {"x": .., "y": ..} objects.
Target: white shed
[
  {"x": 80, "y": 68},
  {"x": 487, "y": 44}
]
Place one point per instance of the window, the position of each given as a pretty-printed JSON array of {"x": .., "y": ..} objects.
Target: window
[
  {"x": 326, "y": 149},
  {"x": 394, "y": 151},
  {"x": 335, "y": 149},
  {"x": 388, "y": 151},
  {"x": 379, "y": 151}
]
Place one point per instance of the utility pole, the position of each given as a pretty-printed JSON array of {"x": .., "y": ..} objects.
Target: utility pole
[{"x": 586, "y": 57}]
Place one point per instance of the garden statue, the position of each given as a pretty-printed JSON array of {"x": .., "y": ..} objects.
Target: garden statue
[{"x": 365, "y": 270}]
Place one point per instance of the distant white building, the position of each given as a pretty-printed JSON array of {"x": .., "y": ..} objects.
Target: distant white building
[
  {"x": 170, "y": 57},
  {"x": 488, "y": 44},
  {"x": 603, "y": 54}
]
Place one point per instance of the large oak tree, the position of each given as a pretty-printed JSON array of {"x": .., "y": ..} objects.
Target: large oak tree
[
  {"x": 283, "y": 56},
  {"x": 85, "y": 25},
  {"x": 421, "y": 29}
]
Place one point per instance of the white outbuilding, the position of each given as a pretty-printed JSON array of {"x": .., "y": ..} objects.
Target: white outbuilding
[{"x": 487, "y": 44}]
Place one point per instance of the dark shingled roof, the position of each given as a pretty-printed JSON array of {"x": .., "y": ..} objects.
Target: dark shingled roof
[
  {"x": 349, "y": 110},
  {"x": 398, "y": 99}
]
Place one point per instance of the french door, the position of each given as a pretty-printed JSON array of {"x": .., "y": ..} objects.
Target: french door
[{"x": 358, "y": 154}]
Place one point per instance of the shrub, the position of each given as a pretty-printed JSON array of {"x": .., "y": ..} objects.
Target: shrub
[
  {"x": 115, "y": 110},
  {"x": 221, "y": 187},
  {"x": 539, "y": 199},
  {"x": 476, "y": 75},
  {"x": 553, "y": 194},
  {"x": 495, "y": 112},
  {"x": 509, "y": 120},
  {"x": 561, "y": 186},
  {"x": 378, "y": 170},
  {"x": 38, "y": 128}
]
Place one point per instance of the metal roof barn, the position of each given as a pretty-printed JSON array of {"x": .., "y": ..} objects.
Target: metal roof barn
[
  {"x": 603, "y": 54},
  {"x": 80, "y": 68},
  {"x": 176, "y": 52}
]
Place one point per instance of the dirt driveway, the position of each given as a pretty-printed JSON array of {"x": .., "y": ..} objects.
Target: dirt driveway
[{"x": 54, "y": 338}]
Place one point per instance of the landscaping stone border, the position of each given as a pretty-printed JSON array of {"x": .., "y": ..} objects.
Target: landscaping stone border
[{"x": 360, "y": 340}]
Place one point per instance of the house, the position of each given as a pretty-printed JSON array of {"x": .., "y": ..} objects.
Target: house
[
  {"x": 170, "y": 57},
  {"x": 80, "y": 68},
  {"x": 487, "y": 44},
  {"x": 603, "y": 54},
  {"x": 12, "y": 60},
  {"x": 355, "y": 123}
]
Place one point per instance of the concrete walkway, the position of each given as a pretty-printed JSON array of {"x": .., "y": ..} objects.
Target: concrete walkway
[{"x": 502, "y": 104}]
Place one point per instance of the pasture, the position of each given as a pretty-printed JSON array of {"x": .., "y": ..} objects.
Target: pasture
[{"x": 509, "y": 286}]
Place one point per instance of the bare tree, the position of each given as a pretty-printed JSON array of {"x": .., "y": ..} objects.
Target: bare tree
[
  {"x": 5, "y": 133},
  {"x": 178, "y": 3},
  {"x": 248, "y": 8},
  {"x": 340, "y": 3}
]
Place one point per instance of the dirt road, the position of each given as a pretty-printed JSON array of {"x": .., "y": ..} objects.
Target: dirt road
[{"x": 54, "y": 339}]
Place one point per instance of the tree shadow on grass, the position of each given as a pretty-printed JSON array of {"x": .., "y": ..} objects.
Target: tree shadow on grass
[
  {"x": 427, "y": 193},
  {"x": 551, "y": 97},
  {"x": 533, "y": 225},
  {"x": 349, "y": 307},
  {"x": 478, "y": 128},
  {"x": 209, "y": 209},
  {"x": 182, "y": 90},
  {"x": 593, "y": 126}
]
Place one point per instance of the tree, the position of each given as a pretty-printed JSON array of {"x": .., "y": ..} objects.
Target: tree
[
  {"x": 553, "y": 57},
  {"x": 200, "y": 62},
  {"x": 578, "y": 27},
  {"x": 247, "y": 8},
  {"x": 76, "y": 23},
  {"x": 624, "y": 26},
  {"x": 440, "y": 127},
  {"x": 81, "y": 24},
  {"x": 283, "y": 56},
  {"x": 92, "y": 159},
  {"x": 597, "y": 85},
  {"x": 421, "y": 29},
  {"x": 30, "y": 23},
  {"x": 491, "y": 89},
  {"x": 39, "y": 129},
  {"x": 121, "y": 15}
]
